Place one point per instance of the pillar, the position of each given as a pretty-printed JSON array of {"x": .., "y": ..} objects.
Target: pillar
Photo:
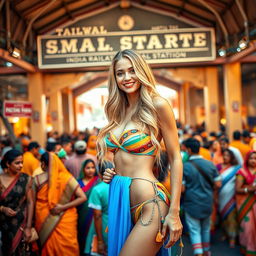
[
  {"x": 37, "y": 97},
  {"x": 184, "y": 103},
  {"x": 55, "y": 110},
  {"x": 211, "y": 99},
  {"x": 68, "y": 111},
  {"x": 233, "y": 97}
]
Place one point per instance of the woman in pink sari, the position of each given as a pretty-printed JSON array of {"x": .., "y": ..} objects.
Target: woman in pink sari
[{"x": 246, "y": 204}]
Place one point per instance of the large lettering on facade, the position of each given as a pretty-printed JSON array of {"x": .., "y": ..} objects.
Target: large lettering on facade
[{"x": 85, "y": 46}]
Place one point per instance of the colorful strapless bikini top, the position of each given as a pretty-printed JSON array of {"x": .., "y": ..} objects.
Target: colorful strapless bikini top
[{"x": 132, "y": 141}]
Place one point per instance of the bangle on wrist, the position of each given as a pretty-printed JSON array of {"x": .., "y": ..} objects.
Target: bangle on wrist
[
  {"x": 245, "y": 190},
  {"x": 1, "y": 208}
]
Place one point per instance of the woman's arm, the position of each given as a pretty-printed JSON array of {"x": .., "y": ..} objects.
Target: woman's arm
[
  {"x": 97, "y": 214},
  {"x": 170, "y": 136},
  {"x": 30, "y": 208},
  {"x": 241, "y": 189},
  {"x": 80, "y": 198}
]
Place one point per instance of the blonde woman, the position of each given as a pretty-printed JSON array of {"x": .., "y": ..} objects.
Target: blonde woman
[{"x": 141, "y": 213}]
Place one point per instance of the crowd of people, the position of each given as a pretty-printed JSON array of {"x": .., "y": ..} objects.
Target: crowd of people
[
  {"x": 53, "y": 199},
  {"x": 58, "y": 190}
]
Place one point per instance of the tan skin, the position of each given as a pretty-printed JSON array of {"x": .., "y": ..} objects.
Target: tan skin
[
  {"x": 97, "y": 216},
  {"x": 13, "y": 169},
  {"x": 240, "y": 186},
  {"x": 89, "y": 172},
  {"x": 141, "y": 166},
  {"x": 226, "y": 160},
  {"x": 79, "y": 194}
]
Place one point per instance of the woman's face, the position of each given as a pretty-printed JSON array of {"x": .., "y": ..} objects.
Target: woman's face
[
  {"x": 215, "y": 145},
  {"x": 126, "y": 78},
  {"x": 252, "y": 160},
  {"x": 89, "y": 170},
  {"x": 16, "y": 165},
  {"x": 226, "y": 157}
]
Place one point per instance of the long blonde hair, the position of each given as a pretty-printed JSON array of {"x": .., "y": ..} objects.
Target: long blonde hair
[{"x": 115, "y": 108}]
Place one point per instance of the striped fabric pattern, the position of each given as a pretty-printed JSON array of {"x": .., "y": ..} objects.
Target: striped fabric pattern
[{"x": 132, "y": 141}]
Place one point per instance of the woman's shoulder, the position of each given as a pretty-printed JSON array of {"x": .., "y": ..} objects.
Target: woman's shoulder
[{"x": 161, "y": 104}]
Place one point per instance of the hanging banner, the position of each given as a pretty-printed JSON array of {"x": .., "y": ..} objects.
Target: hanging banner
[{"x": 162, "y": 39}]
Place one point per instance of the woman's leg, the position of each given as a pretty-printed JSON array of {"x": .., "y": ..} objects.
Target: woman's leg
[{"x": 141, "y": 240}]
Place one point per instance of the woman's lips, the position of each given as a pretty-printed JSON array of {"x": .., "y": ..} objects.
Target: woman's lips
[{"x": 128, "y": 85}]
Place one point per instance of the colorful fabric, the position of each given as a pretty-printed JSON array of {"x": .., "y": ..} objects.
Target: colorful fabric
[
  {"x": 74, "y": 163},
  {"x": 161, "y": 192},
  {"x": 57, "y": 234},
  {"x": 205, "y": 153},
  {"x": 246, "y": 206},
  {"x": 227, "y": 202},
  {"x": 13, "y": 197},
  {"x": 30, "y": 163},
  {"x": 132, "y": 141},
  {"x": 99, "y": 201},
  {"x": 85, "y": 214},
  {"x": 120, "y": 224},
  {"x": 243, "y": 148}
]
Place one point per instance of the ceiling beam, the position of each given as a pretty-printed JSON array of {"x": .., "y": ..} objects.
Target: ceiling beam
[
  {"x": 11, "y": 70},
  {"x": 239, "y": 56},
  {"x": 17, "y": 62},
  {"x": 89, "y": 85},
  {"x": 195, "y": 17},
  {"x": 249, "y": 59}
]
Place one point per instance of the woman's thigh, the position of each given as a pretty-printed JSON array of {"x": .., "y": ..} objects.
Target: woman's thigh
[{"x": 142, "y": 239}]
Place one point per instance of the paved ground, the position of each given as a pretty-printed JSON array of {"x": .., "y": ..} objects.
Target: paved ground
[{"x": 218, "y": 248}]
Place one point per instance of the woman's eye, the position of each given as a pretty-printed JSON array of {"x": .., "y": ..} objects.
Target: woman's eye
[
  {"x": 132, "y": 71},
  {"x": 119, "y": 73}
]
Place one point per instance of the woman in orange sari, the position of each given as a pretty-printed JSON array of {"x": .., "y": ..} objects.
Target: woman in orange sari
[{"x": 57, "y": 195}]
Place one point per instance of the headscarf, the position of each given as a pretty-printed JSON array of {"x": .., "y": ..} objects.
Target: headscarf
[
  {"x": 91, "y": 145},
  {"x": 57, "y": 174},
  {"x": 245, "y": 172},
  {"x": 85, "y": 162}
]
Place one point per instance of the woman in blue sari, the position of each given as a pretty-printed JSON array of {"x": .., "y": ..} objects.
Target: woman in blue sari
[
  {"x": 227, "y": 202},
  {"x": 87, "y": 180}
]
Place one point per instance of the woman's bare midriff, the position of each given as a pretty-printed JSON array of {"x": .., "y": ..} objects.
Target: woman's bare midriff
[{"x": 136, "y": 166}]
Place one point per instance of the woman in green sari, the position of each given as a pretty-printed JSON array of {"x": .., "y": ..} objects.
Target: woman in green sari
[{"x": 87, "y": 180}]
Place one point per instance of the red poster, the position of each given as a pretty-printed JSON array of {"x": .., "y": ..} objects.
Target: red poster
[{"x": 17, "y": 109}]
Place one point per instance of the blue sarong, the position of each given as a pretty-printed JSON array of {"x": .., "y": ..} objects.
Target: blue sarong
[{"x": 119, "y": 216}]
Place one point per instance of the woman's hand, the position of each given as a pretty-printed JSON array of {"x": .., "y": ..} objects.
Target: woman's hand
[
  {"x": 108, "y": 175},
  {"x": 27, "y": 234},
  {"x": 8, "y": 211},
  {"x": 57, "y": 209},
  {"x": 251, "y": 188},
  {"x": 101, "y": 248},
  {"x": 173, "y": 224}
]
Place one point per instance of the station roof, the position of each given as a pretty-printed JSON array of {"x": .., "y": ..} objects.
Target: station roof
[
  {"x": 51, "y": 14},
  {"x": 232, "y": 19}
]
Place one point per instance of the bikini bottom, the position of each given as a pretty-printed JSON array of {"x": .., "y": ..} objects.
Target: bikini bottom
[{"x": 122, "y": 217}]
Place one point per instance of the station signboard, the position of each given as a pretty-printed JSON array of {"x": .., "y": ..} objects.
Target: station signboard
[
  {"x": 17, "y": 109},
  {"x": 93, "y": 41}
]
